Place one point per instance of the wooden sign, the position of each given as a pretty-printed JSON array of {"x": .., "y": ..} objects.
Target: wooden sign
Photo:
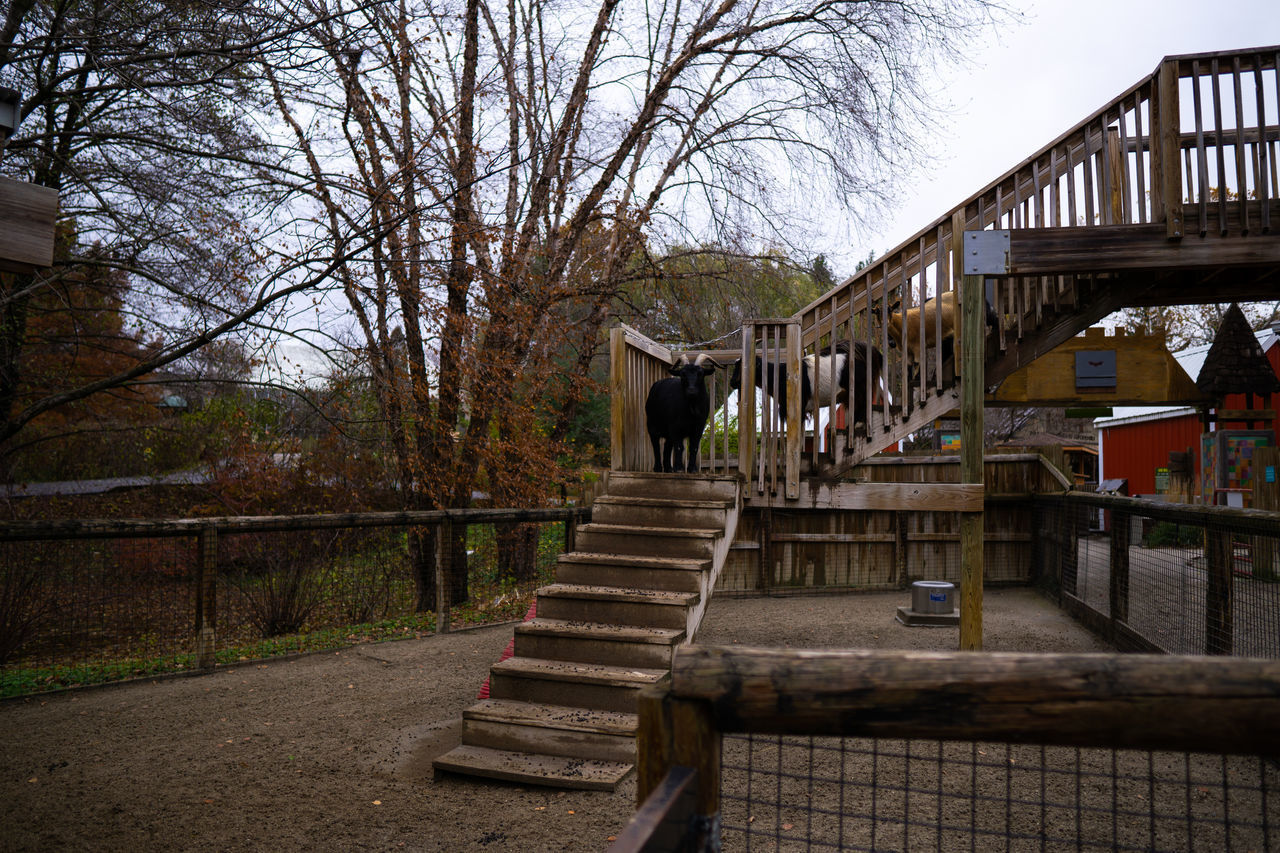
[
  {"x": 27, "y": 214},
  {"x": 1100, "y": 369}
]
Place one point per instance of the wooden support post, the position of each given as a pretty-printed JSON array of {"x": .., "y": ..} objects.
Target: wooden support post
[
  {"x": 680, "y": 733},
  {"x": 747, "y": 405},
  {"x": 1121, "y": 522},
  {"x": 1218, "y": 594},
  {"x": 766, "y": 549},
  {"x": 900, "y": 568},
  {"x": 444, "y": 549},
  {"x": 795, "y": 417},
  {"x": 206, "y": 597},
  {"x": 571, "y": 534},
  {"x": 1166, "y": 151},
  {"x": 617, "y": 397},
  {"x": 973, "y": 347}
]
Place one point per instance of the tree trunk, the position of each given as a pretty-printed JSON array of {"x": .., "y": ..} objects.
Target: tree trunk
[{"x": 517, "y": 546}]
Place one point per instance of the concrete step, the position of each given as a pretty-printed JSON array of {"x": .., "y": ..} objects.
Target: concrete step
[
  {"x": 595, "y": 642},
  {"x": 676, "y": 574},
  {"x": 530, "y": 769},
  {"x": 601, "y": 688},
  {"x": 648, "y": 541},
  {"x": 692, "y": 487},
  {"x": 550, "y": 730},
  {"x": 647, "y": 608},
  {"x": 660, "y": 512}
]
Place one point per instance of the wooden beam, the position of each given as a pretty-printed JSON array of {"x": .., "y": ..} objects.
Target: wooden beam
[
  {"x": 1116, "y": 248},
  {"x": 1228, "y": 705},
  {"x": 918, "y": 497},
  {"x": 27, "y": 216}
]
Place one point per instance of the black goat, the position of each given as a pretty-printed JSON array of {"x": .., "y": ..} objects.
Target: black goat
[
  {"x": 819, "y": 371},
  {"x": 676, "y": 412}
]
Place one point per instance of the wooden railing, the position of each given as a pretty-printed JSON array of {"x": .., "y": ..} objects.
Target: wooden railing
[
  {"x": 1116, "y": 702},
  {"x": 1194, "y": 139}
]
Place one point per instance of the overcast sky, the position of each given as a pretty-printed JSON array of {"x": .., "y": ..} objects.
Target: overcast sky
[{"x": 1030, "y": 83}]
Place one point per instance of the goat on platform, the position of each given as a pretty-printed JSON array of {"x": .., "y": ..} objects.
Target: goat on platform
[
  {"x": 676, "y": 412},
  {"x": 822, "y": 371}
]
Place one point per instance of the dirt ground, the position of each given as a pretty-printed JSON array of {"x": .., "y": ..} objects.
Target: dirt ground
[{"x": 333, "y": 751}]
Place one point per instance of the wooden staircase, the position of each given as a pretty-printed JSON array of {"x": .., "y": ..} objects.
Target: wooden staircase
[{"x": 562, "y": 709}]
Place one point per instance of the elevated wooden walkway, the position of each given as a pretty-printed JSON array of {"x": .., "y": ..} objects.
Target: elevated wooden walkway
[{"x": 1167, "y": 195}]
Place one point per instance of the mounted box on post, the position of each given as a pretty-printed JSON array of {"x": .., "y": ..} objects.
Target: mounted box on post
[{"x": 27, "y": 214}]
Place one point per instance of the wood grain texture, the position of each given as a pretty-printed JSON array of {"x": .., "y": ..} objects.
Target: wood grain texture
[
  {"x": 27, "y": 215},
  {"x": 1120, "y": 701}
]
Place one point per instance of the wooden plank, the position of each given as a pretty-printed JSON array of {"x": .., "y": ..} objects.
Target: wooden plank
[
  {"x": 16, "y": 531},
  {"x": 918, "y": 497},
  {"x": 1248, "y": 521},
  {"x": 663, "y": 820},
  {"x": 1228, "y": 705},
  {"x": 27, "y": 216},
  {"x": 1112, "y": 248},
  {"x": 617, "y": 397}
]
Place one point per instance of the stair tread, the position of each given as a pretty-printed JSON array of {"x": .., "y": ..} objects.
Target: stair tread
[
  {"x": 553, "y": 716},
  {"x": 636, "y": 560},
  {"x": 618, "y": 593},
  {"x": 590, "y": 673},
  {"x": 644, "y": 530},
  {"x": 587, "y": 773},
  {"x": 600, "y": 631}
]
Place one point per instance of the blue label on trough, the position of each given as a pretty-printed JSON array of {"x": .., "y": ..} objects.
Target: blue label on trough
[{"x": 937, "y": 596}]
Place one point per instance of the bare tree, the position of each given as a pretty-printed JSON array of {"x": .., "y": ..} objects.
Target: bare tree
[{"x": 504, "y": 150}]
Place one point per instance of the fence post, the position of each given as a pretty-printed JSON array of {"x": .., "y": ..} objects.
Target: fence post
[
  {"x": 1121, "y": 525},
  {"x": 900, "y": 548},
  {"x": 1218, "y": 593},
  {"x": 206, "y": 597},
  {"x": 571, "y": 533},
  {"x": 444, "y": 549},
  {"x": 680, "y": 733}
]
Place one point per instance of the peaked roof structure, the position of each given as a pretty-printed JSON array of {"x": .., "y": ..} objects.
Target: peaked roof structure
[{"x": 1235, "y": 363}]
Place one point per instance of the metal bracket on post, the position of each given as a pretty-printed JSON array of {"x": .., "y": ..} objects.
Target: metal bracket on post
[{"x": 986, "y": 252}]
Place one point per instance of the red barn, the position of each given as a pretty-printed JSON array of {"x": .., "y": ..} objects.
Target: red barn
[{"x": 1137, "y": 440}]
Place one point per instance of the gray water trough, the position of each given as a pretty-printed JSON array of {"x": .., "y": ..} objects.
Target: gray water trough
[{"x": 933, "y": 603}]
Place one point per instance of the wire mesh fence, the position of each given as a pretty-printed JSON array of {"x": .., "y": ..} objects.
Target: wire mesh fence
[
  {"x": 1153, "y": 577},
  {"x": 785, "y": 792},
  {"x": 876, "y": 750},
  {"x": 86, "y": 602}
]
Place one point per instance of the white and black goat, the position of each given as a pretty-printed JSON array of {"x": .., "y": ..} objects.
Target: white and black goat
[
  {"x": 822, "y": 371},
  {"x": 676, "y": 412}
]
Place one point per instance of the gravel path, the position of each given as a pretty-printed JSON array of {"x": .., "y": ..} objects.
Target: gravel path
[{"x": 333, "y": 751}]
